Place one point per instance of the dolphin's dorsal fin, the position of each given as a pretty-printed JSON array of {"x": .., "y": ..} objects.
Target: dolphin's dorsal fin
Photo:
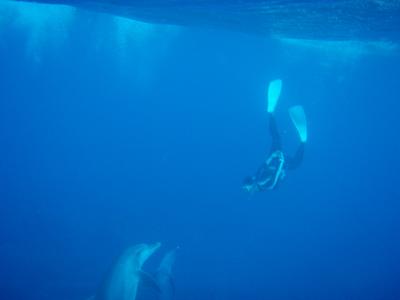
[{"x": 148, "y": 281}]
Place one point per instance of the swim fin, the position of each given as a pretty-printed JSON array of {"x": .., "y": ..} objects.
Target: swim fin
[
  {"x": 274, "y": 91},
  {"x": 298, "y": 117}
]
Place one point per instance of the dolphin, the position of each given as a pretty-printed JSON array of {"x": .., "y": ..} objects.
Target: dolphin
[
  {"x": 164, "y": 275},
  {"x": 121, "y": 283},
  {"x": 369, "y": 20}
]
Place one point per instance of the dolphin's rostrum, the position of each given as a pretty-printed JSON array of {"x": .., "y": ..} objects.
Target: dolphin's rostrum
[{"x": 121, "y": 283}]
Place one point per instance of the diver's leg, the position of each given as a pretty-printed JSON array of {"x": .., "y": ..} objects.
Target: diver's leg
[
  {"x": 273, "y": 130},
  {"x": 295, "y": 161}
]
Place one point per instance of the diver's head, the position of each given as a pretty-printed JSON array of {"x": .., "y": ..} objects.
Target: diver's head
[{"x": 248, "y": 184}]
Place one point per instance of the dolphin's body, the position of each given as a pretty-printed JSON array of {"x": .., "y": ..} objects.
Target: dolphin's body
[
  {"x": 122, "y": 281},
  {"x": 372, "y": 20},
  {"x": 164, "y": 275}
]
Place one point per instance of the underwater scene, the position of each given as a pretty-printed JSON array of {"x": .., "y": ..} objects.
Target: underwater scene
[{"x": 199, "y": 149}]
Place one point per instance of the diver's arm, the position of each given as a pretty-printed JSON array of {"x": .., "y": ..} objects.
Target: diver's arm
[{"x": 295, "y": 161}]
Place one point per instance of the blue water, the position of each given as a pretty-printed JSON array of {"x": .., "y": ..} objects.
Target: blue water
[{"x": 109, "y": 138}]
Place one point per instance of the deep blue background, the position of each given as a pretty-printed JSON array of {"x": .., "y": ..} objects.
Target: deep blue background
[{"x": 100, "y": 150}]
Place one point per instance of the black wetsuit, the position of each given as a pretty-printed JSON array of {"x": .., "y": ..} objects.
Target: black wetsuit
[
  {"x": 267, "y": 172},
  {"x": 291, "y": 163}
]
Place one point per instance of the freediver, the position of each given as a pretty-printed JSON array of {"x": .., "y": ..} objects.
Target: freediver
[{"x": 274, "y": 168}]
